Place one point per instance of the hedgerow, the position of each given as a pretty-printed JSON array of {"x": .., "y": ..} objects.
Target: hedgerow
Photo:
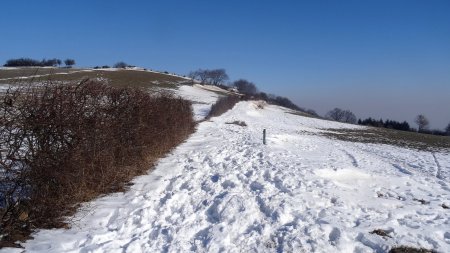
[{"x": 63, "y": 144}]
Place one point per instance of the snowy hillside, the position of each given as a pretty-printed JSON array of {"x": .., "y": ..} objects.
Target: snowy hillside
[{"x": 224, "y": 191}]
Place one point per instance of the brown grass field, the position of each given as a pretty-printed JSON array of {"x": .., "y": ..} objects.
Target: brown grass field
[{"x": 118, "y": 78}]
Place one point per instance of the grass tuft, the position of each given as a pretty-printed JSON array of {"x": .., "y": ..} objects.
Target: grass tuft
[{"x": 424, "y": 142}]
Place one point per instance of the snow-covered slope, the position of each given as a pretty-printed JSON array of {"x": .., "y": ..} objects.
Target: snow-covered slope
[
  {"x": 224, "y": 191},
  {"x": 202, "y": 99}
]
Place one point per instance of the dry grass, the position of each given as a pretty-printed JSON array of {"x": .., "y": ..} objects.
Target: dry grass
[
  {"x": 117, "y": 78},
  {"x": 31, "y": 71},
  {"x": 65, "y": 144},
  {"x": 411, "y": 140}
]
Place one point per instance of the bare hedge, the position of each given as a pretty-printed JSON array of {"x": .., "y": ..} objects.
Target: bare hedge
[
  {"x": 222, "y": 105},
  {"x": 61, "y": 145}
]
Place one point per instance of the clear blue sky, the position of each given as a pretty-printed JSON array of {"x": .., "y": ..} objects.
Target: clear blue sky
[{"x": 388, "y": 59}]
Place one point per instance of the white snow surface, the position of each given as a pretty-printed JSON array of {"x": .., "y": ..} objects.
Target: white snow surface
[
  {"x": 224, "y": 191},
  {"x": 201, "y": 99}
]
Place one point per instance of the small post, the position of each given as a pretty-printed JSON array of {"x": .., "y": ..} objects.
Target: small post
[{"x": 264, "y": 136}]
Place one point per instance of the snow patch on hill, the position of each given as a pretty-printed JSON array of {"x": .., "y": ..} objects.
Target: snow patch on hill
[{"x": 202, "y": 99}]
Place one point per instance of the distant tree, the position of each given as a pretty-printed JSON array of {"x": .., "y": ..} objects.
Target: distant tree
[
  {"x": 121, "y": 65},
  {"x": 349, "y": 117},
  {"x": 58, "y": 62},
  {"x": 447, "y": 129},
  {"x": 213, "y": 77},
  {"x": 380, "y": 123},
  {"x": 245, "y": 87},
  {"x": 392, "y": 124},
  {"x": 22, "y": 62},
  {"x": 69, "y": 62},
  {"x": 437, "y": 132},
  {"x": 422, "y": 122},
  {"x": 50, "y": 62},
  {"x": 27, "y": 62},
  {"x": 263, "y": 96},
  {"x": 312, "y": 112},
  {"x": 200, "y": 75},
  {"x": 335, "y": 114},
  {"x": 285, "y": 102},
  {"x": 340, "y": 115},
  {"x": 217, "y": 76}
]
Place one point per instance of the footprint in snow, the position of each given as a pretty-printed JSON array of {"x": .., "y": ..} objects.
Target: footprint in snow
[
  {"x": 334, "y": 236},
  {"x": 215, "y": 178},
  {"x": 256, "y": 186}
]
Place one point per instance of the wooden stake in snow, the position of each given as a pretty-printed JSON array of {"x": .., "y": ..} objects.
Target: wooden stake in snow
[{"x": 264, "y": 136}]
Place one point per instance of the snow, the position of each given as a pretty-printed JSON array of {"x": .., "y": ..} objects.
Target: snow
[
  {"x": 223, "y": 190},
  {"x": 202, "y": 99},
  {"x": 213, "y": 88},
  {"x": 4, "y": 87}
]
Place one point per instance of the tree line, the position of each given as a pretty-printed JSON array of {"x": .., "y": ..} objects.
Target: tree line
[
  {"x": 346, "y": 116},
  {"x": 392, "y": 124},
  {"x": 248, "y": 89},
  {"x": 28, "y": 62}
]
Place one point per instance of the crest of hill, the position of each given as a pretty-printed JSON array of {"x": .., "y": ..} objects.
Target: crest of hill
[{"x": 130, "y": 77}]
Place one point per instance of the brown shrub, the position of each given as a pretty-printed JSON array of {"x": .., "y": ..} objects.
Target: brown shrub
[
  {"x": 222, "y": 105},
  {"x": 407, "y": 249},
  {"x": 381, "y": 232},
  {"x": 64, "y": 144},
  {"x": 237, "y": 122}
]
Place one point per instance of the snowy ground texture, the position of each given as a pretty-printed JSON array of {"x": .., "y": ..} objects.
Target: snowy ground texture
[{"x": 224, "y": 191}]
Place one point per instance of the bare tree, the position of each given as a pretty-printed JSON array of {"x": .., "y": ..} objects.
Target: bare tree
[
  {"x": 121, "y": 65},
  {"x": 447, "y": 129},
  {"x": 213, "y": 77},
  {"x": 217, "y": 76},
  {"x": 245, "y": 87},
  {"x": 200, "y": 75},
  {"x": 422, "y": 122},
  {"x": 69, "y": 62},
  {"x": 340, "y": 115},
  {"x": 312, "y": 112},
  {"x": 349, "y": 117},
  {"x": 193, "y": 75},
  {"x": 335, "y": 114}
]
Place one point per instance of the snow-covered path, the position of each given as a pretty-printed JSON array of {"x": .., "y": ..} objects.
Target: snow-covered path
[{"x": 224, "y": 191}]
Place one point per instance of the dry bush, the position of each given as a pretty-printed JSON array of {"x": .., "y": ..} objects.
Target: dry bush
[
  {"x": 222, "y": 105},
  {"x": 381, "y": 232},
  {"x": 407, "y": 249},
  {"x": 237, "y": 122},
  {"x": 64, "y": 144},
  {"x": 260, "y": 104}
]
